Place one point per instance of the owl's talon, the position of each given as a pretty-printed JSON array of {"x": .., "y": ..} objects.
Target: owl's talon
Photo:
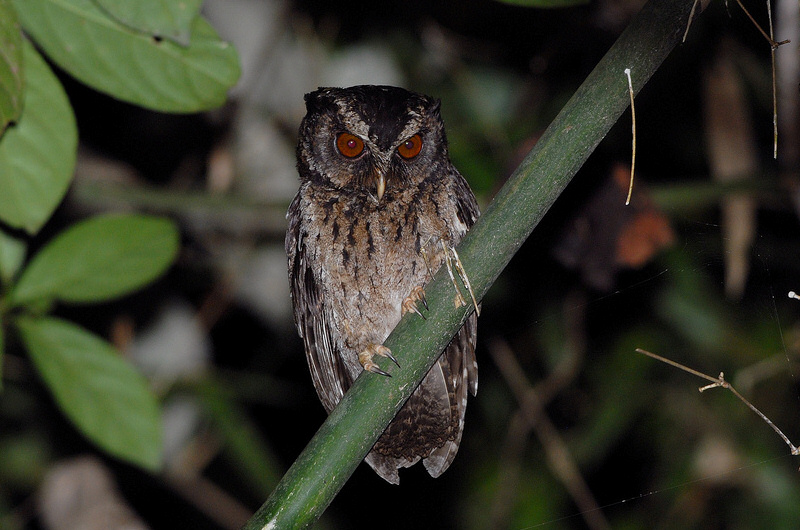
[
  {"x": 388, "y": 353},
  {"x": 410, "y": 307},
  {"x": 375, "y": 370},
  {"x": 365, "y": 358},
  {"x": 410, "y": 303}
]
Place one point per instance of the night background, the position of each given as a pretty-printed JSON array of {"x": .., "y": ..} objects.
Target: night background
[{"x": 697, "y": 269}]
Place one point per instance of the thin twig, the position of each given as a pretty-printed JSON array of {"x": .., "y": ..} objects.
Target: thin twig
[
  {"x": 773, "y": 46},
  {"x": 689, "y": 22},
  {"x": 558, "y": 455},
  {"x": 565, "y": 371},
  {"x": 756, "y": 24},
  {"x": 633, "y": 134},
  {"x": 720, "y": 382}
]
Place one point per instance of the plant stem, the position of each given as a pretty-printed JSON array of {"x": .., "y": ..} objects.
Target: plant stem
[{"x": 347, "y": 435}]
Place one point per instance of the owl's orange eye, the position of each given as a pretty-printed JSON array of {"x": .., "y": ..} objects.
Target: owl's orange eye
[
  {"x": 349, "y": 145},
  {"x": 411, "y": 147}
]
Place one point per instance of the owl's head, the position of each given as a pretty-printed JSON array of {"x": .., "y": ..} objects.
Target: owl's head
[{"x": 371, "y": 140}]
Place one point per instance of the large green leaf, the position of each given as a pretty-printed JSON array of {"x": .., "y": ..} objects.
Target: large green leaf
[
  {"x": 11, "y": 70},
  {"x": 103, "y": 395},
  {"x": 128, "y": 64},
  {"x": 169, "y": 19},
  {"x": 37, "y": 155},
  {"x": 12, "y": 254},
  {"x": 98, "y": 259}
]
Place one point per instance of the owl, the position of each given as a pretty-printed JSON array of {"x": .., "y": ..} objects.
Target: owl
[{"x": 380, "y": 208}]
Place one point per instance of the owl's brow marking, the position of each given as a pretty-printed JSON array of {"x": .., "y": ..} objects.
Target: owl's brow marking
[
  {"x": 353, "y": 121},
  {"x": 411, "y": 128}
]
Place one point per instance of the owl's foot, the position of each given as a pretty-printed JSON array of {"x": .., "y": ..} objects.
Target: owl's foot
[
  {"x": 452, "y": 261},
  {"x": 365, "y": 358},
  {"x": 410, "y": 303}
]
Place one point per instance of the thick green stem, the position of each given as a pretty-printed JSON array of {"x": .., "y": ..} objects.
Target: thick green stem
[{"x": 350, "y": 431}]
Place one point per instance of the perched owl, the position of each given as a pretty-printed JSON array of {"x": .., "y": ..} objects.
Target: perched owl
[{"x": 379, "y": 209}]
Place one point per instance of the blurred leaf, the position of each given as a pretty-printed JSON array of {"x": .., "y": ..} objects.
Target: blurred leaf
[
  {"x": 12, "y": 254},
  {"x": 2, "y": 349},
  {"x": 11, "y": 66},
  {"x": 37, "y": 155},
  {"x": 545, "y": 3},
  {"x": 162, "y": 18},
  {"x": 243, "y": 443},
  {"x": 492, "y": 115},
  {"x": 26, "y": 457},
  {"x": 130, "y": 65},
  {"x": 99, "y": 259},
  {"x": 104, "y": 396}
]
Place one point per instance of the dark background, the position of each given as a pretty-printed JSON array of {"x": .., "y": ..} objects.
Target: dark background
[{"x": 571, "y": 308}]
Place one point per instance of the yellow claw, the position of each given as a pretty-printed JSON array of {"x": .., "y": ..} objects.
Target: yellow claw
[
  {"x": 410, "y": 303},
  {"x": 365, "y": 358}
]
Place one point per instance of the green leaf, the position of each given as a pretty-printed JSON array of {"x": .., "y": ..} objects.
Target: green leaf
[
  {"x": 545, "y": 3},
  {"x": 12, "y": 254},
  {"x": 99, "y": 259},
  {"x": 169, "y": 19},
  {"x": 130, "y": 65},
  {"x": 11, "y": 69},
  {"x": 37, "y": 155},
  {"x": 104, "y": 396}
]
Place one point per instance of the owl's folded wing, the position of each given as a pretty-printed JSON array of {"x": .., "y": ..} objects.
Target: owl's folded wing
[{"x": 328, "y": 373}]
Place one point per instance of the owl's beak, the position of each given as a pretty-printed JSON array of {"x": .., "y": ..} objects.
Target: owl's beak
[{"x": 380, "y": 183}]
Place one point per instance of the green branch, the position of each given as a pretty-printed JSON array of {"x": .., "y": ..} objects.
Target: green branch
[{"x": 347, "y": 435}]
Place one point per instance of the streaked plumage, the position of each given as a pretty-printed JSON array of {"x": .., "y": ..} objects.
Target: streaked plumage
[{"x": 358, "y": 229}]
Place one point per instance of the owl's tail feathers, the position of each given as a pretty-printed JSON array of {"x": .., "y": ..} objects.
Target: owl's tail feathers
[
  {"x": 386, "y": 466},
  {"x": 435, "y": 463},
  {"x": 440, "y": 459}
]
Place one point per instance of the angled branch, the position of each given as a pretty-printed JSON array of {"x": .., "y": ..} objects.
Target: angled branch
[{"x": 353, "y": 427}]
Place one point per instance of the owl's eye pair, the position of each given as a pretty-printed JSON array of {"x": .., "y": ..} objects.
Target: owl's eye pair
[{"x": 351, "y": 146}]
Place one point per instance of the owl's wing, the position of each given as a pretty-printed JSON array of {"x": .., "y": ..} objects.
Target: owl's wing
[
  {"x": 329, "y": 375},
  {"x": 458, "y": 360},
  {"x": 466, "y": 205}
]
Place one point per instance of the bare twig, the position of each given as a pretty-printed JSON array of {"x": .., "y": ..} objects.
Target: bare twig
[
  {"x": 720, "y": 382},
  {"x": 558, "y": 456},
  {"x": 573, "y": 351},
  {"x": 773, "y": 46},
  {"x": 689, "y": 22},
  {"x": 633, "y": 134}
]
